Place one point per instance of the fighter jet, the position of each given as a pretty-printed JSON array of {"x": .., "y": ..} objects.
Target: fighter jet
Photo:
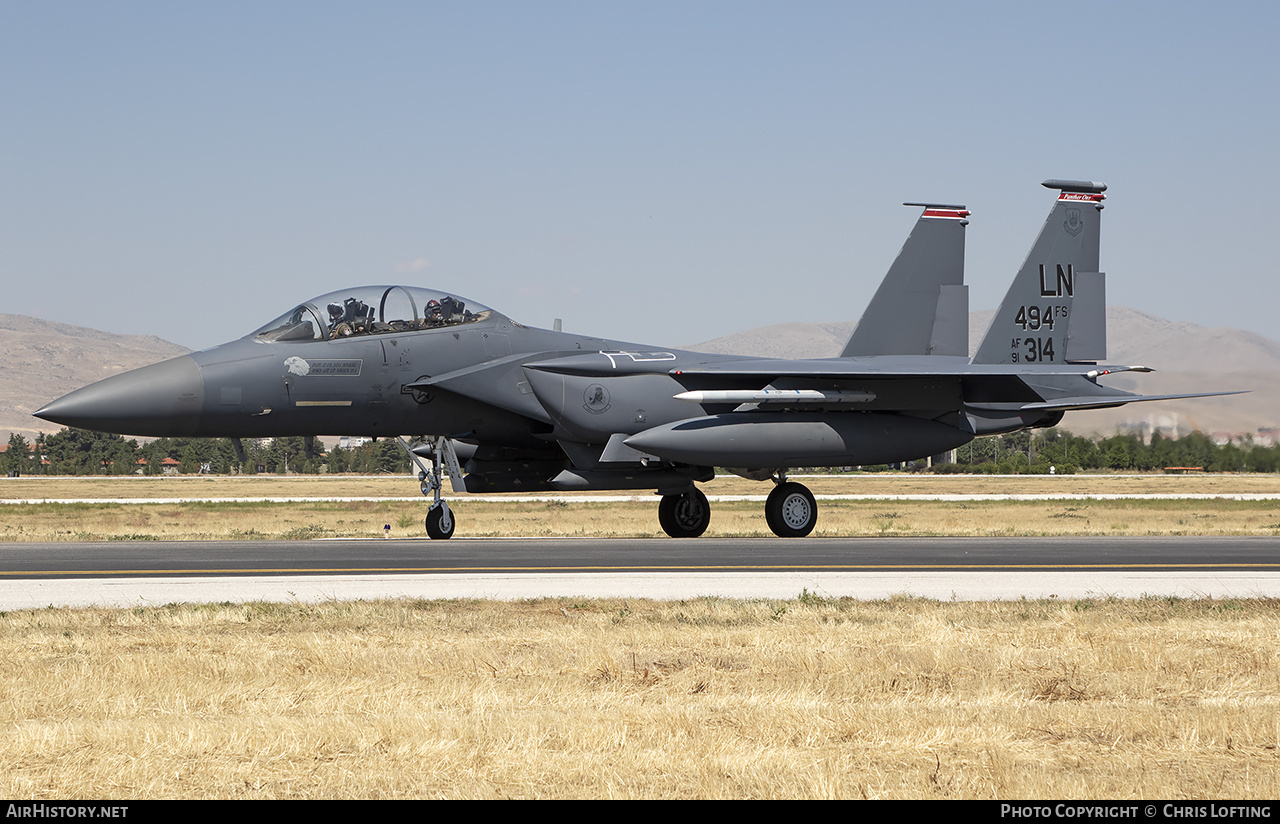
[{"x": 505, "y": 407}]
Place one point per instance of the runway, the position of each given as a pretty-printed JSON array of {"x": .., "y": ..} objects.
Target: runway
[{"x": 36, "y": 575}]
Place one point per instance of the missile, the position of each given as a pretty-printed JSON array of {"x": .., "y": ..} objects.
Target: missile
[{"x": 787, "y": 396}]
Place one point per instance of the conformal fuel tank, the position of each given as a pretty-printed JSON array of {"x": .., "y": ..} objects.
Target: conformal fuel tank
[{"x": 778, "y": 439}]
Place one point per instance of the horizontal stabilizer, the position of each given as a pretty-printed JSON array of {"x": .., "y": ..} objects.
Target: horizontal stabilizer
[
  {"x": 1118, "y": 400},
  {"x": 1091, "y": 402}
]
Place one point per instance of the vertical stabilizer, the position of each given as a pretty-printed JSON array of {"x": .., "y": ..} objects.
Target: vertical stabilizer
[
  {"x": 1055, "y": 310},
  {"x": 922, "y": 305}
]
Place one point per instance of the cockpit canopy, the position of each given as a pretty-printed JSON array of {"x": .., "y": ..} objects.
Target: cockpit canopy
[{"x": 371, "y": 310}]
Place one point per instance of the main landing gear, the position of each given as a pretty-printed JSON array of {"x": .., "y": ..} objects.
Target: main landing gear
[
  {"x": 685, "y": 515},
  {"x": 790, "y": 511},
  {"x": 440, "y": 522}
]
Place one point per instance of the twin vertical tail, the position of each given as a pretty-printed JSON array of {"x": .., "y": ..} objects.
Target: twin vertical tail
[
  {"x": 1055, "y": 311},
  {"x": 922, "y": 305}
]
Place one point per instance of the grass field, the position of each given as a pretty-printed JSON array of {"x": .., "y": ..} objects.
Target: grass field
[
  {"x": 206, "y": 512},
  {"x": 401, "y": 486},
  {"x": 805, "y": 698}
]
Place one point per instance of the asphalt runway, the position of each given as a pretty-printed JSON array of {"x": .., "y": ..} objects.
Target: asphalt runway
[{"x": 36, "y": 575}]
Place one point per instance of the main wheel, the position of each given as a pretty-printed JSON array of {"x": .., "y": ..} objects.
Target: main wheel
[
  {"x": 791, "y": 510},
  {"x": 686, "y": 515},
  {"x": 440, "y": 523}
]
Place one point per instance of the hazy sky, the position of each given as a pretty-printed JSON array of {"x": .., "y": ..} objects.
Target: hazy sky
[{"x": 663, "y": 172}]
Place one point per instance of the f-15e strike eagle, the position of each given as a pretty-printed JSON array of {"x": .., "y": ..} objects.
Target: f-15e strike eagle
[{"x": 525, "y": 409}]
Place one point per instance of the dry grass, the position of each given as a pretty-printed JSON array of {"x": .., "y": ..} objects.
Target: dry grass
[
  {"x": 808, "y": 698},
  {"x": 636, "y": 516},
  {"x": 399, "y": 486}
]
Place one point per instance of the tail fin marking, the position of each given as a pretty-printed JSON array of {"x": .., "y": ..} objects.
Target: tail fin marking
[{"x": 1055, "y": 309}]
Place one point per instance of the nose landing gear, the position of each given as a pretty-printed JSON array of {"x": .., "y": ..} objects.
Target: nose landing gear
[{"x": 440, "y": 522}]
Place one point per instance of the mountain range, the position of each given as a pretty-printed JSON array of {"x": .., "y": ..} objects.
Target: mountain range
[{"x": 41, "y": 360}]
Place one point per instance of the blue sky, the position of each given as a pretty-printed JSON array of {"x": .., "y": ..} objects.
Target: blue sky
[{"x": 659, "y": 172}]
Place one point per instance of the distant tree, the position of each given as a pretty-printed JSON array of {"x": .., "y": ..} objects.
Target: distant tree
[
  {"x": 17, "y": 457},
  {"x": 193, "y": 454},
  {"x": 339, "y": 460},
  {"x": 1228, "y": 458},
  {"x": 81, "y": 452},
  {"x": 285, "y": 454},
  {"x": 1264, "y": 458},
  {"x": 191, "y": 459},
  {"x": 391, "y": 457},
  {"x": 1196, "y": 449}
]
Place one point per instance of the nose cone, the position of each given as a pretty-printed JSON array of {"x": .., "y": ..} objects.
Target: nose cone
[{"x": 161, "y": 400}]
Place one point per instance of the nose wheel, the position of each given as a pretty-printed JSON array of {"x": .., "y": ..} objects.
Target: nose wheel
[
  {"x": 440, "y": 522},
  {"x": 790, "y": 510}
]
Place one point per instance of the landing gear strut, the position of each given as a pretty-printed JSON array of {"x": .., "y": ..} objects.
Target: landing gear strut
[
  {"x": 440, "y": 523},
  {"x": 685, "y": 515},
  {"x": 790, "y": 509}
]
